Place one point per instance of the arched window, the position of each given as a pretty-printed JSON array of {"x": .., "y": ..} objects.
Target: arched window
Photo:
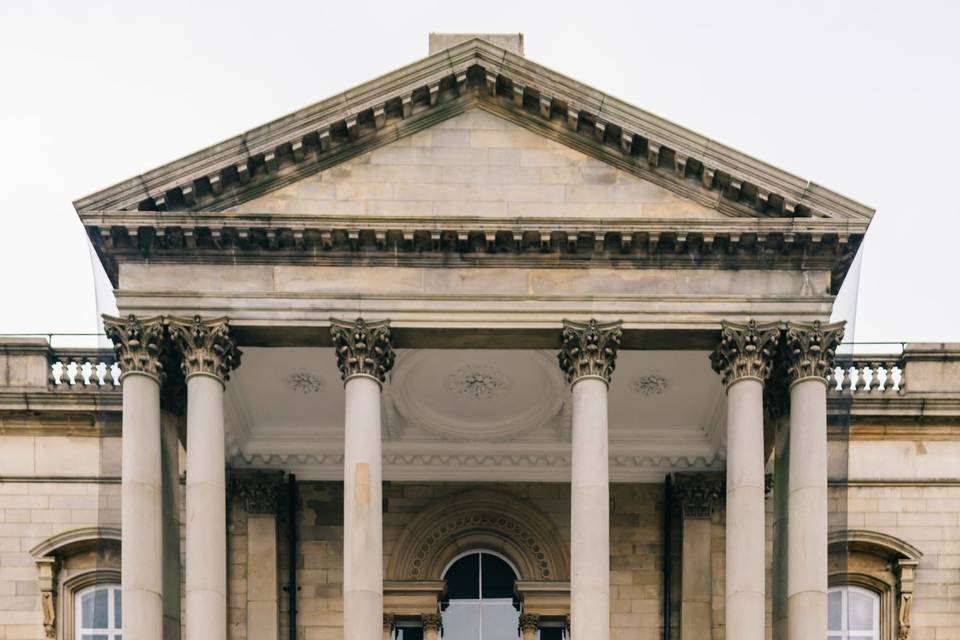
[
  {"x": 853, "y": 613},
  {"x": 98, "y": 612},
  {"x": 480, "y": 604}
]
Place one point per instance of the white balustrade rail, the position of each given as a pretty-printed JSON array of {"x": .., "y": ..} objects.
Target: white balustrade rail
[
  {"x": 868, "y": 374},
  {"x": 75, "y": 369}
]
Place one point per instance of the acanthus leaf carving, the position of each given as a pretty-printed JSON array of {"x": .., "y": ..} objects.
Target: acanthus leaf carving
[
  {"x": 699, "y": 494},
  {"x": 138, "y": 344},
  {"x": 745, "y": 350},
  {"x": 589, "y": 349},
  {"x": 810, "y": 349},
  {"x": 205, "y": 346},
  {"x": 363, "y": 348},
  {"x": 256, "y": 492}
]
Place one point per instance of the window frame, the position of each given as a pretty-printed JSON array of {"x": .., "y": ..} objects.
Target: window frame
[
  {"x": 844, "y": 633},
  {"x": 111, "y": 631},
  {"x": 480, "y": 600},
  {"x": 71, "y": 588}
]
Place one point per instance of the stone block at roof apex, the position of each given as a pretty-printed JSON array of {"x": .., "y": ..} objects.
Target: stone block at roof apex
[{"x": 487, "y": 73}]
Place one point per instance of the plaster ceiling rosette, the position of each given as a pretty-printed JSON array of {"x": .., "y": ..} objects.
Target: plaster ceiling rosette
[{"x": 479, "y": 395}]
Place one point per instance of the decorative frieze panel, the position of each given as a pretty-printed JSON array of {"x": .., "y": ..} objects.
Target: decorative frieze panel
[
  {"x": 589, "y": 349},
  {"x": 363, "y": 349}
]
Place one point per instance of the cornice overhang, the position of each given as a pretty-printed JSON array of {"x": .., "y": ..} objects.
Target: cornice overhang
[
  {"x": 741, "y": 243},
  {"x": 474, "y": 74}
]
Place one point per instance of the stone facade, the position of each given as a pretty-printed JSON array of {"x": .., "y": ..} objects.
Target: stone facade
[{"x": 479, "y": 206}]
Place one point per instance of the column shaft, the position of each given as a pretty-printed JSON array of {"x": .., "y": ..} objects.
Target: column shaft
[
  {"x": 206, "y": 510},
  {"x": 171, "y": 525},
  {"x": 807, "y": 520},
  {"x": 141, "y": 509},
  {"x": 362, "y": 512},
  {"x": 590, "y": 513},
  {"x": 745, "y": 511}
]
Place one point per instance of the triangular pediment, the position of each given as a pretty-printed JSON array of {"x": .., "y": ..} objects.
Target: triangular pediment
[
  {"x": 471, "y": 77},
  {"x": 477, "y": 164}
]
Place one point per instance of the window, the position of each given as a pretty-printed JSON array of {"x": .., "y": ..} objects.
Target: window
[
  {"x": 97, "y": 611},
  {"x": 480, "y": 605},
  {"x": 853, "y": 613}
]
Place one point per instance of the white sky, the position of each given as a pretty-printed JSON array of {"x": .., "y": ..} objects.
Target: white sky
[{"x": 861, "y": 97}]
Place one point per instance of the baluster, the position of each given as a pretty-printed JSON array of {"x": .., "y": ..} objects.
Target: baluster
[
  {"x": 101, "y": 372},
  {"x": 56, "y": 372},
  {"x": 863, "y": 381},
  {"x": 846, "y": 382},
  {"x": 874, "y": 377},
  {"x": 72, "y": 371},
  {"x": 86, "y": 370},
  {"x": 115, "y": 374}
]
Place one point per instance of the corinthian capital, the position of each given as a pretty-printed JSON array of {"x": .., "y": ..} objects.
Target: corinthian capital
[
  {"x": 205, "y": 346},
  {"x": 363, "y": 349},
  {"x": 745, "y": 351},
  {"x": 698, "y": 494},
  {"x": 810, "y": 348},
  {"x": 589, "y": 349},
  {"x": 256, "y": 492},
  {"x": 431, "y": 622},
  {"x": 138, "y": 343}
]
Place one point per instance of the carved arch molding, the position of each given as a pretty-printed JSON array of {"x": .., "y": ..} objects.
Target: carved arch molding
[
  {"x": 883, "y": 564},
  {"x": 470, "y": 520}
]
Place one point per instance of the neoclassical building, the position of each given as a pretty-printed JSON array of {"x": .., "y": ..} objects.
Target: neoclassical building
[{"x": 474, "y": 351}]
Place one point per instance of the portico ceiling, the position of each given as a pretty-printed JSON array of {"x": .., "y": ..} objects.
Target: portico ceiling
[{"x": 474, "y": 414}]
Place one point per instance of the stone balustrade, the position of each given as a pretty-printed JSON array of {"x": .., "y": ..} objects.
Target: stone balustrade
[
  {"x": 76, "y": 369},
  {"x": 868, "y": 374}
]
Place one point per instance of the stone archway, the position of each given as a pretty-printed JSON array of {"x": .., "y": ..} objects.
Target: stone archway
[{"x": 479, "y": 519}]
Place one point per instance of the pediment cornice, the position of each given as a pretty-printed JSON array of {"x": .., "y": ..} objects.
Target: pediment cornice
[{"x": 474, "y": 74}]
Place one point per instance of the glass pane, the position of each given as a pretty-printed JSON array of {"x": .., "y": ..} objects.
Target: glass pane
[
  {"x": 461, "y": 621},
  {"x": 498, "y": 577},
  {"x": 463, "y": 578},
  {"x": 98, "y": 636},
  {"x": 117, "y": 610},
  {"x": 859, "y": 611},
  {"x": 551, "y": 634},
  {"x": 409, "y": 634},
  {"x": 94, "y": 610},
  {"x": 835, "y": 611},
  {"x": 500, "y": 621}
]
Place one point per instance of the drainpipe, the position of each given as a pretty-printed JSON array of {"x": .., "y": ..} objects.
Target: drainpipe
[
  {"x": 292, "y": 501},
  {"x": 667, "y": 559}
]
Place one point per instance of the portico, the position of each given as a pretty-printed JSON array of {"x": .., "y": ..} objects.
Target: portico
[{"x": 401, "y": 267}]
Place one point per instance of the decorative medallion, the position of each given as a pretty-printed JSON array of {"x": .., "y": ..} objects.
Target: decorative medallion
[
  {"x": 478, "y": 381},
  {"x": 652, "y": 385},
  {"x": 304, "y": 382}
]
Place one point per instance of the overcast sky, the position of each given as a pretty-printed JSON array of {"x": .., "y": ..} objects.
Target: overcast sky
[{"x": 861, "y": 97}]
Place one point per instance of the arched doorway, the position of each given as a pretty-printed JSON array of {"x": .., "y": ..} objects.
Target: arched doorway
[{"x": 480, "y": 602}]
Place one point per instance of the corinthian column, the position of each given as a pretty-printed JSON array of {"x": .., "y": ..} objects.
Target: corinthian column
[
  {"x": 588, "y": 357},
  {"x": 208, "y": 355},
  {"x": 364, "y": 356},
  {"x": 810, "y": 351},
  {"x": 137, "y": 343},
  {"x": 744, "y": 358}
]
